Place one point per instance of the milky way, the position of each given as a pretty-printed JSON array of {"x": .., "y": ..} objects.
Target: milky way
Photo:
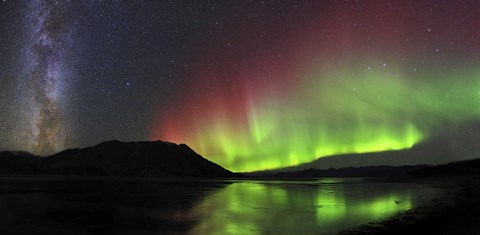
[{"x": 43, "y": 81}]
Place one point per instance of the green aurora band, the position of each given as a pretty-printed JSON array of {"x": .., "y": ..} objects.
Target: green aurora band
[{"x": 340, "y": 112}]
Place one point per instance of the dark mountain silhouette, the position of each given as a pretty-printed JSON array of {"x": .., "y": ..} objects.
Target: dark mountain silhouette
[
  {"x": 18, "y": 162},
  {"x": 116, "y": 158},
  {"x": 367, "y": 171},
  {"x": 458, "y": 168}
]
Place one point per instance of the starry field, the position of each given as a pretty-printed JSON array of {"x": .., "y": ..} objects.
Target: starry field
[{"x": 250, "y": 85}]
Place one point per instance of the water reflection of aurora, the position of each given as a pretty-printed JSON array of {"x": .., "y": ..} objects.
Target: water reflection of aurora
[{"x": 301, "y": 207}]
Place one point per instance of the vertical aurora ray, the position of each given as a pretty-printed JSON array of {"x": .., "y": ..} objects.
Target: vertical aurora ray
[{"x": 346, "y": 82}]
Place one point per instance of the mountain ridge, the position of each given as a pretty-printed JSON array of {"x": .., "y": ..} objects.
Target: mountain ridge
[
  {"x": 117, "y": 158},
  {"x": 364, "y": 171}
]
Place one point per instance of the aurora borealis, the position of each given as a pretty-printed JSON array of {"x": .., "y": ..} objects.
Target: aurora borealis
[
  {"x": 348, "y": 80},
  {"x": 249, "y": 85}
]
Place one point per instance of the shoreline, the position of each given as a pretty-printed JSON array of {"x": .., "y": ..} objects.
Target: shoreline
[{"x": 457, "y": 211}]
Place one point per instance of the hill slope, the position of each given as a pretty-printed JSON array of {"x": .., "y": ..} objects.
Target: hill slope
[
  {"x": 116, "y": 158},
  {"x": 365, "y": 171}
]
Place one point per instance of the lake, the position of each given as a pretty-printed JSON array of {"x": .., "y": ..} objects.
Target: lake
[{"x": 89, "y": 205}]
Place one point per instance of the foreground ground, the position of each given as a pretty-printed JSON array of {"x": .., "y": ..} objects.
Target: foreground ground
[{"x": 457, "y": 212}]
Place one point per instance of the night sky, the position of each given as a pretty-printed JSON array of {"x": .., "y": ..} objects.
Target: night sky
[{"x": 250, "y": 85}]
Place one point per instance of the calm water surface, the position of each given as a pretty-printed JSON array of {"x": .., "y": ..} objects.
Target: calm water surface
[{"x": 146, "y": 206}]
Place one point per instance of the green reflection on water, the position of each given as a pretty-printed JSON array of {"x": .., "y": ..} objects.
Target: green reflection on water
[
  {"x": 330, "y": 205},
  {"x": 296, "y": 207}
]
